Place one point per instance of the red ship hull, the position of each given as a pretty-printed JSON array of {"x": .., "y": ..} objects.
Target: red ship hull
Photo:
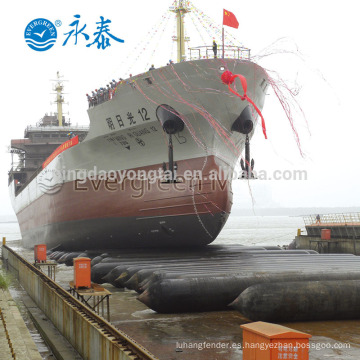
[{"x": 102, "y": 213}]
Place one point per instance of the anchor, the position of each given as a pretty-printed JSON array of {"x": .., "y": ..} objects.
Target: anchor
[
  {"x": 248, "y": 166},
  {"x": 171, "y": 124},
  {"x": 172, "y": 166}
]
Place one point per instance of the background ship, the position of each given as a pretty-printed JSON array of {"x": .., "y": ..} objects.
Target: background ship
[{"x": 93, "y": 190}]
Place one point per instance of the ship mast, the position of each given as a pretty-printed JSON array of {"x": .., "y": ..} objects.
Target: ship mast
[
  {"x": 59, "y": 99},
  {"x": 180, "y": 10}
]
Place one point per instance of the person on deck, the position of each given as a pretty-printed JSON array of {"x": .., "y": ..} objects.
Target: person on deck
[
  {"x": 318, "y": 219},
  {"x": 215, "y": 49},
  {"x": 89, "y": 99},
  {"x": 152, "y": 67},
  {"x": 107, "y": 92}
]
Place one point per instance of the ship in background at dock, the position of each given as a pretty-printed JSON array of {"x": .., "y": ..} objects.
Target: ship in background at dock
[{"x": 180, "y": 118}]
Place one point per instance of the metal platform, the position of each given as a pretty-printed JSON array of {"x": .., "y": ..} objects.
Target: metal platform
[
  {"x": 51, "y": 268},
  {"x": 96, "y": 295},
  {"x": 342, "y": 225}
]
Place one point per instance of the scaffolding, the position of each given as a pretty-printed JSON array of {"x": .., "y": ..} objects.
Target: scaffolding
[{"x": 336, "y": 219}]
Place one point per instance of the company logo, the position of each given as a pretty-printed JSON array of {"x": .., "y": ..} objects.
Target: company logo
[
  {"x": 40, "y": 34},
  {"x": 50, "y": 181}
]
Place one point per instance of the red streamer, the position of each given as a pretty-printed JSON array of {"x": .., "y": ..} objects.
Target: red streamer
[{"x": 228, "y": 78}]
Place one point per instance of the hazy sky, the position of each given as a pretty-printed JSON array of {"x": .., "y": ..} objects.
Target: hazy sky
[{"x": 322, "y": 36}]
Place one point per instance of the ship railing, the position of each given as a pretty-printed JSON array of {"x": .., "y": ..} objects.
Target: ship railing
[
  {"x": 337, "y": 219},
  {"x": 195, "y": 53},
  {"x": 20, "y": 141},
  {"x": 20, "y": 187},
  {"x": 101, "y": 97},
  {"x": 230, "y": 52},
  {"x": 55, "y": 128},
  {"x": 16, "y": 166}
]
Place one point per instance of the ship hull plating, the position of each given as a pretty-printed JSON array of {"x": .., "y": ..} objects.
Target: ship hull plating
[
  {"x": 121, "y": 233},
  {"x": 110, "y": 213}
]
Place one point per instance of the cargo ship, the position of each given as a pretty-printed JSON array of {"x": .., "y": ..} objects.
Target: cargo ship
[{"x": 153, "y": 169}]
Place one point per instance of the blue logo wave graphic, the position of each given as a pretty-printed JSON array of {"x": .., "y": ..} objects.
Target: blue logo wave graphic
[
  {"x": 40, "y": 34},
  {"x": 36, "y": 43}
]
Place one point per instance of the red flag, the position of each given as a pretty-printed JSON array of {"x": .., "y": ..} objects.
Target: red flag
[{"x": 230, "y": 19}]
